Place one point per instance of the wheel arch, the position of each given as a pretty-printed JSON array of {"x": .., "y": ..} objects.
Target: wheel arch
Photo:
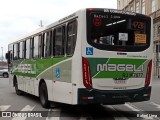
[
  {"x": 40, "y": 82},
  {"x": 43, "y": 97}
]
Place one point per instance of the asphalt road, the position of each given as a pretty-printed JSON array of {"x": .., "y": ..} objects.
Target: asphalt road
[{"x": 10, "y": 102}]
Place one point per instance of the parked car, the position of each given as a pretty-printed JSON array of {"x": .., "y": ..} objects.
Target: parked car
[{"x": 4, "y": 72}]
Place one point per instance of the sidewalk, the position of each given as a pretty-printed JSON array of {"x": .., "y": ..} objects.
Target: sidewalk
[{"x": 155, "y": 79}]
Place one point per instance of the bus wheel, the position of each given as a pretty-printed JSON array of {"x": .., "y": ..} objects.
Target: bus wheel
[
  {"x": 43, "y": 94},
  {"x": 18, "y": 92}
]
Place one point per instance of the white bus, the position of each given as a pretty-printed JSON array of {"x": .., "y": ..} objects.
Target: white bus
[{"x": 93, "y": 56}]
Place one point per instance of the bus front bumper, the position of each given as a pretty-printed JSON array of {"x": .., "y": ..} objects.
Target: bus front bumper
[{"x": 110, "y": 97}]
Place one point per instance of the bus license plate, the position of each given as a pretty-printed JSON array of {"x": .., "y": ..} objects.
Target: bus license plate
[{"x": 120, "y": 80}]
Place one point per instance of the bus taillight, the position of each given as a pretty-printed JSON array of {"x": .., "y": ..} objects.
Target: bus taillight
[
  {"x": 87, "y": 79},
  {"x": 90, "y": 9},
  {"x": 148, "y": 75}
]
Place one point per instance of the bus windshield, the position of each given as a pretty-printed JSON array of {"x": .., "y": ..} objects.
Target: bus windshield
[{"x": 118, "y": 32}]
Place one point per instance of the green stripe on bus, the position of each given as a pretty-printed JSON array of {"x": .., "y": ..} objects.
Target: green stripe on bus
[{"x": 40, "y": 66}]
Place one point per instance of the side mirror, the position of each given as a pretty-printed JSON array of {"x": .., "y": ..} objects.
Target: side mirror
[{"x": 8, "y": 57}]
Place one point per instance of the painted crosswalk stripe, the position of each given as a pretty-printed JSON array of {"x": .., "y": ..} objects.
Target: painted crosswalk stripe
[
  {"x": 132, "y": 107},
  {"x": 140, "y": 111},
  {"x": 27, "y": 108},
  {"x": 117, "y": 118},
  {"x": 4, "y": 107},
  {"x": 155, "y": 104},
  {"x": 50, "y": 111}
]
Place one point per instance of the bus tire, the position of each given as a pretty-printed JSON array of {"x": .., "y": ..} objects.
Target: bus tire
[
  {"x": 43, "y": 95},
  {"x": 18, "y": 92}
]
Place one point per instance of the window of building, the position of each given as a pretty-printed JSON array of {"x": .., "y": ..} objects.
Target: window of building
[
  {"x": 35, "y": 47},
  {"x": 131, "y": 8},
  {"x": 28, "y": 49},
  {"x": 15, "y": 53},
  {"x": 158, "y": 29},
  {"x": 143, "y": 6},
  {"x": 153, "y": 6},
  {"x": 137, "y": 6},
  {"x": 119, "y": 4},
  {"x": 59, "y": 41},
  {"x": 71, "y": 37},
  {"x": 127, "y": 9},
  {"x": 155, "y": 31}
]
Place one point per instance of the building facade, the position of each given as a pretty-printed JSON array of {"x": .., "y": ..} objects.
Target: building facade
[
  {"x": 140, "y": 6},
  {"x": 151, "y": 8}
]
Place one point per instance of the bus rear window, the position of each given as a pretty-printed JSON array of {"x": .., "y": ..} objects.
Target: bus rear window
[{"x": 116, "y": 32}]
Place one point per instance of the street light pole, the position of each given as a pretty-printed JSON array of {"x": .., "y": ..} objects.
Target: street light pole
[{"x": 41, "y": 24}]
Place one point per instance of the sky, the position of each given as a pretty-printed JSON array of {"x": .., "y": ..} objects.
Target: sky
[{"x": 19, "y": 17}]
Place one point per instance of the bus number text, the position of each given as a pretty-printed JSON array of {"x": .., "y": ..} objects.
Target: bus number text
[{"x": 133, "y": 75}]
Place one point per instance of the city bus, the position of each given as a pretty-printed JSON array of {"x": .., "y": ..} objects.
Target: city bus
[{"x": 93, "y": 56}]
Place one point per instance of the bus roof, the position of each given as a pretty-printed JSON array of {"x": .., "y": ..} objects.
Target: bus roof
[{"x": 72, "y": 16}]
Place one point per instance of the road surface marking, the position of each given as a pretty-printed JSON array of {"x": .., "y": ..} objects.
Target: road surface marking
[
  {"x": 50, "y": 111},
  {"x": 155, "y": 104},
  {"x": 121, "y": 116},
  {"x": 27, "y": 108},
  {"x": 132, "y": 107},
  {"x": 4, "y": 107},
  {"x": 140, "y": 112}
]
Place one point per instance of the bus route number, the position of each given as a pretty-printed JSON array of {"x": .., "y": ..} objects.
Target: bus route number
[
  {"x": 97, "y": 21},
  {"x": 138, "y": 25}
]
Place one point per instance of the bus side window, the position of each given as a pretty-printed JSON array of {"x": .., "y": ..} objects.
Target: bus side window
[
  {"x": 10, "y": 48},
  {"x": 35, "y": 47},
  {"x": 53, "y": 43},
  {"x": 31, "y": 47},
  {"x": 15, "y": 52},
  {"x": 48, "y": 38},
  {"x": 43, "y": 45},
  {"x": 21, "y": 50},
  {"x": 71, "y": 37},
  {"x": 59, "y": 41},
  {"x": 24, "y": 49},
  {"x": 40, "y": 45},
  {"x": 28, "y": 49}
]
